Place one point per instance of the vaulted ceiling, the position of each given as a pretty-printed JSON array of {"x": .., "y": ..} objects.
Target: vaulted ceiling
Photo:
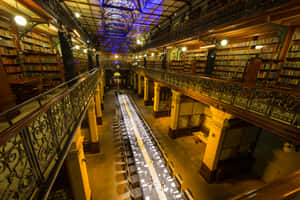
[{"x": 115, "y": 25}]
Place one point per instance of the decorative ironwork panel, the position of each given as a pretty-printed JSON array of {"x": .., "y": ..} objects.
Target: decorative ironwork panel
[
  {"x": 17, "y": 180},
  {"x": 27, "y": 158}
]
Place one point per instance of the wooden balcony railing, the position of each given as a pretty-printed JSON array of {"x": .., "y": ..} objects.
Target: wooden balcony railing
[
  {"x": 33, "y": 149},
  {"x": 277, "y": 110}
]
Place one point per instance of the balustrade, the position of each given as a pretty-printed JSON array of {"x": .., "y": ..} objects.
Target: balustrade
[{"x": 32, "y": 149}]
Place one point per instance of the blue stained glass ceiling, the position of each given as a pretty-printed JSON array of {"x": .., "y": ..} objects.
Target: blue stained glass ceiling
[{"x": 115, "y": 25}]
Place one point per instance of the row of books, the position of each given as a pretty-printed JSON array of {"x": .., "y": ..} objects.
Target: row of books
[
  {"x": 41, "y": 68},
  {"x": 37, "y": 48},
  {"x": 13, "y": 69},
  {"x": 40, "y": 59},
  {"x": 8, "y": 43},
  {"x": 229, "y": 69},
  {"x": 251, "y": 43},
  {"x": 6, "y": 34},
  {"x": 36, "y": 42},
  {"x": 232, "y": 57},
  {"x": 232, "y": 63},
  {"x": 10, "y": 61},
  {"x": 228, "y": 74},
  {"x": 295, "y": 48},
  {"x": 267, "y": 66},
  {"x": 37, "y": 36},
  {"x": 271, "y": 75},
  {"x": 6, "y": 51},
  {"x": 288, "y": 81},
  {"x": 295, "y": 73},
  {"x": 292, "y": 64},
  {"x": 296, "y": 36},
  {"x": 293, "y": 54},
  {"x": 246, "y": 51},
  {"x": 42, "y": 74}
]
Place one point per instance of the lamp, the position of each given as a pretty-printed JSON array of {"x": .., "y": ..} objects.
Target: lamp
[
  {"x": 77, "y": 15},
  {"x": 224, "y": 42},
  {"x": 183, "y": 48},
  {"x": 20, "y": 20}
]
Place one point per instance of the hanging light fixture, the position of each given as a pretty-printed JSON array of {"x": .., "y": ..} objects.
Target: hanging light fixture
[
  {"x": 77, "y": 47},
  {"x": 77, "y": 15},
  {"x": 224, "y": 42},
  {"x": 20, "y": 20},
  {"x": 116, "y": 56},
  {"x": 259, "y": 47},
  {"x": 85, "y": 51}
]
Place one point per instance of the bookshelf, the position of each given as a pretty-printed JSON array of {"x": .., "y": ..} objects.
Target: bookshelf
[
  {"x": 81, "y": 61},
  {"x": 195, "y": 61},
  {"x": 9, "y": 54},
  {"x": 39, "y": 59},
  {"x": 232, "y": 60},
  {"x": 290, "y": 72},
  {"x": 177, "y": 65}
]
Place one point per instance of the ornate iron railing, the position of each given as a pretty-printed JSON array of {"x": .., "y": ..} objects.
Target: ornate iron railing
[
  {"x": 279, "y": 105},
  {"x": 33, "y": 149}
]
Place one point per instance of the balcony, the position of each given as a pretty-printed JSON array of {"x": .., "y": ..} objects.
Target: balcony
[
  {"x": 272, "y": 108},
  {"x": 33, "y": 148}
]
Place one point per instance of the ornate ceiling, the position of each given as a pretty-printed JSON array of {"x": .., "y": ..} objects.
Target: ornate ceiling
[{"x": 115, "y": 25}]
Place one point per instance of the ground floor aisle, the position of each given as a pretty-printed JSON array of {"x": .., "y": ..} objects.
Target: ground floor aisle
[{"x": 108, "y": 183}]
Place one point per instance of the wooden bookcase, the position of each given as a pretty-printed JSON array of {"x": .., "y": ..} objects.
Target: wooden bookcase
[
  {"x": 290, "y": 72},
  {"x": 40, "y": 60},
  {"x": 195, "y": 61},
  {"x": 9, "y": 53},
  {"x": 232, "y": 60}
]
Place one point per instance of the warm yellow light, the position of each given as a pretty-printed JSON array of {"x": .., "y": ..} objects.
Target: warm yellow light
[
  {"x": 136, "y": 57},
  {"x": 152, "y": 54},
  {"x": 183, "y": 48},
  {"x": 259, "y": 47},
  {"x": 52, "y": 27},
  {"x": 140, "y": 56},
  {"x": 208, "y": 46},
  {"x": 224, "y": 42},
  {"x": 145, "y": 55},
  {"x": 116, "y": 56},
  {"x": 138, "y": 41},
  {"x": 75, "y": 31},
  {"x": 77, "y": 47},
  {"x": 85, "y": 51},
  {"x": 20, "y": 20},
  {"x": 77, "y": 15}
]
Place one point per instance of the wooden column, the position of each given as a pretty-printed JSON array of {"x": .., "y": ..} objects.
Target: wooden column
[
  {"x": 252, "y": 71},
  {"x": 67, "y": 55},
  {"x": 147, "y": 101},
  {"x": 76, "y": 168}
]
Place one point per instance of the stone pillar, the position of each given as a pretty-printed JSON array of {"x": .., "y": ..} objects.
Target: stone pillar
[
  {"x": 218, "y": 126},
  {"x": 98, "y": 105},
  {"x": 147, "y": 101},
  {"x": 76, "y": 168},
  {"x": 93, "y": 145},
  {"x": 139, "y": 85},
  {"x": 156, "y": 97},
  {"x": 175, "y": 105}
]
